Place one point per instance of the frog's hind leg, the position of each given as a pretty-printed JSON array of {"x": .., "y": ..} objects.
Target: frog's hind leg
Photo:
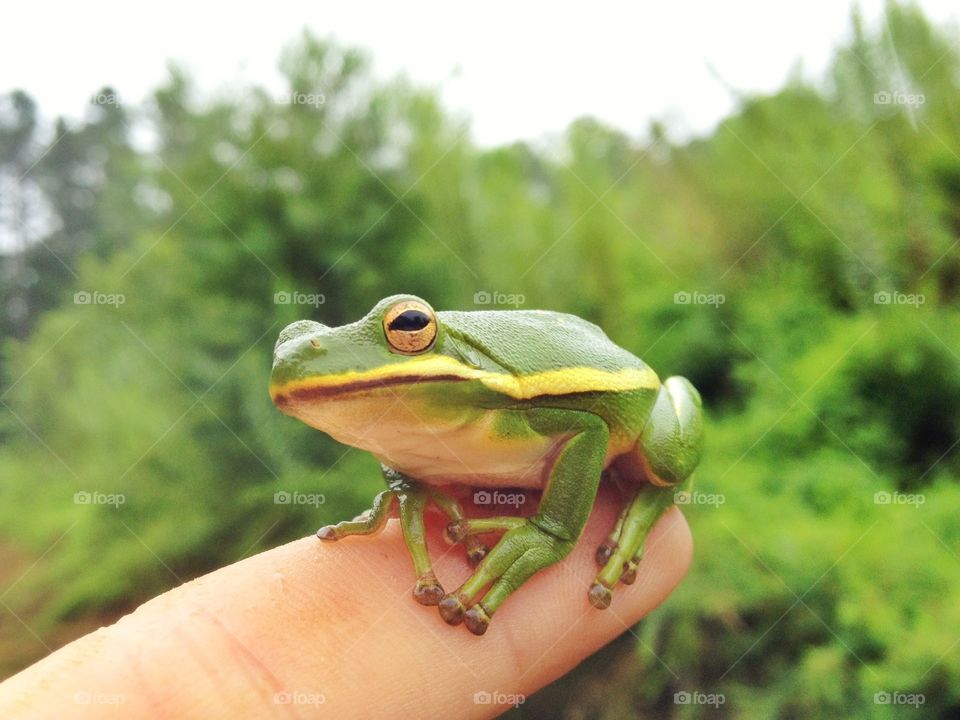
[
  {"x": 668, "y": 450},
  {"x": 531, "y": 544},
  {"x": 639, "y": 515},
  {"x": 612, "y": 541}
]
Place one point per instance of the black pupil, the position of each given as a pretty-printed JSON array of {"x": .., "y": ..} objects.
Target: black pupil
[{"x": 410, "y": 320}]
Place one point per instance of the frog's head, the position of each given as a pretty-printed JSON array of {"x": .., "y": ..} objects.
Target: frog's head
[{"x": 342, "y": 379}]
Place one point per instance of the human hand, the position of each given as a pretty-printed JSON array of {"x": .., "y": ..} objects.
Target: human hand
[{"x": 315, "y": 630}]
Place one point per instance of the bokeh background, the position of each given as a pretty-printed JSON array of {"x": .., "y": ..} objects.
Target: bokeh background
[{"x": 800, "y": 263}]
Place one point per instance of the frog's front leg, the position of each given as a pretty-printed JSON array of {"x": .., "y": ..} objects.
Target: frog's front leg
[
  {"x": 531, "y": 544},
  {"x": 412, "y": 499}
]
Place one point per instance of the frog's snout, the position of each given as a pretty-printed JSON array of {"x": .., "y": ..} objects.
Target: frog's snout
[
  {"x": 300, "y": 328},
  {"x": 299, "y": 349},
  {"x": 299, "y": 344}
]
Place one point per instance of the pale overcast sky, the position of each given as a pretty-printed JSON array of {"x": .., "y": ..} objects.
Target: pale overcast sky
[{"x": 520, "y": 70}]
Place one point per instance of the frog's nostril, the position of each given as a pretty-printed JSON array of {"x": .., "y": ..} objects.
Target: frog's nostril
[{"x": 313, "y": 348}]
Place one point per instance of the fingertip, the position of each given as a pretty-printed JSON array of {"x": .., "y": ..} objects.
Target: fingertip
[
  {"x": 543, "y": 630},
  {"x": 334, "y": 629}
]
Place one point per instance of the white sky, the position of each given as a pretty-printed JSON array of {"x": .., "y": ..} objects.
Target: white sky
[{"x": 520, "y": 70}]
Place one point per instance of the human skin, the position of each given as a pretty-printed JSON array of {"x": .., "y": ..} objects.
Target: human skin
[{"x": 312, "y": 629}]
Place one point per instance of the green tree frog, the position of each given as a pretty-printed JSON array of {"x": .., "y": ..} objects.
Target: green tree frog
[{"x": 520, "y": 399}]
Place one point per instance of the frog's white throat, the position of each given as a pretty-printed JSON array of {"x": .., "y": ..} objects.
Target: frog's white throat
[{"x": 458, "y": 449}]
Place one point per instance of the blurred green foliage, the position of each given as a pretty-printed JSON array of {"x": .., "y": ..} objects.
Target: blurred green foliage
[{"x": 825, "y": 219}]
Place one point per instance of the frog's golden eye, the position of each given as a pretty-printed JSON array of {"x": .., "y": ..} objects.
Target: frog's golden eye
[{"x": 410, "y": 327}]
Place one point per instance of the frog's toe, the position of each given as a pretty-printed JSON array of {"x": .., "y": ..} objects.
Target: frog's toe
[
  {"x": 476, "y": 552},
  {"x": 477, "y": 620},
  {"x": 600, "y": 596},
  {"x": 455, "y": 532},
  {"x": 629, "y": 575},
  {"x": 452, "y": 609},
  {"x": 428, "y": 591},
  {"x": 459, "y": 531},
  {"x": 327, "y": 532},
  {"x": 604, "y": 551}
]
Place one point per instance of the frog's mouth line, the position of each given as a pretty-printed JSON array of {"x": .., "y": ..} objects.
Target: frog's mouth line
[{"x": 319, "y": 392}]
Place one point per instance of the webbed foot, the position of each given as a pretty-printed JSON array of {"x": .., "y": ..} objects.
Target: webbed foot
[{"x": 524, "y": 549}]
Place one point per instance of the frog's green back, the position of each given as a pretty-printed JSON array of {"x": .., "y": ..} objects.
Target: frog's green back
[{"x": 524, "y": 342}]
